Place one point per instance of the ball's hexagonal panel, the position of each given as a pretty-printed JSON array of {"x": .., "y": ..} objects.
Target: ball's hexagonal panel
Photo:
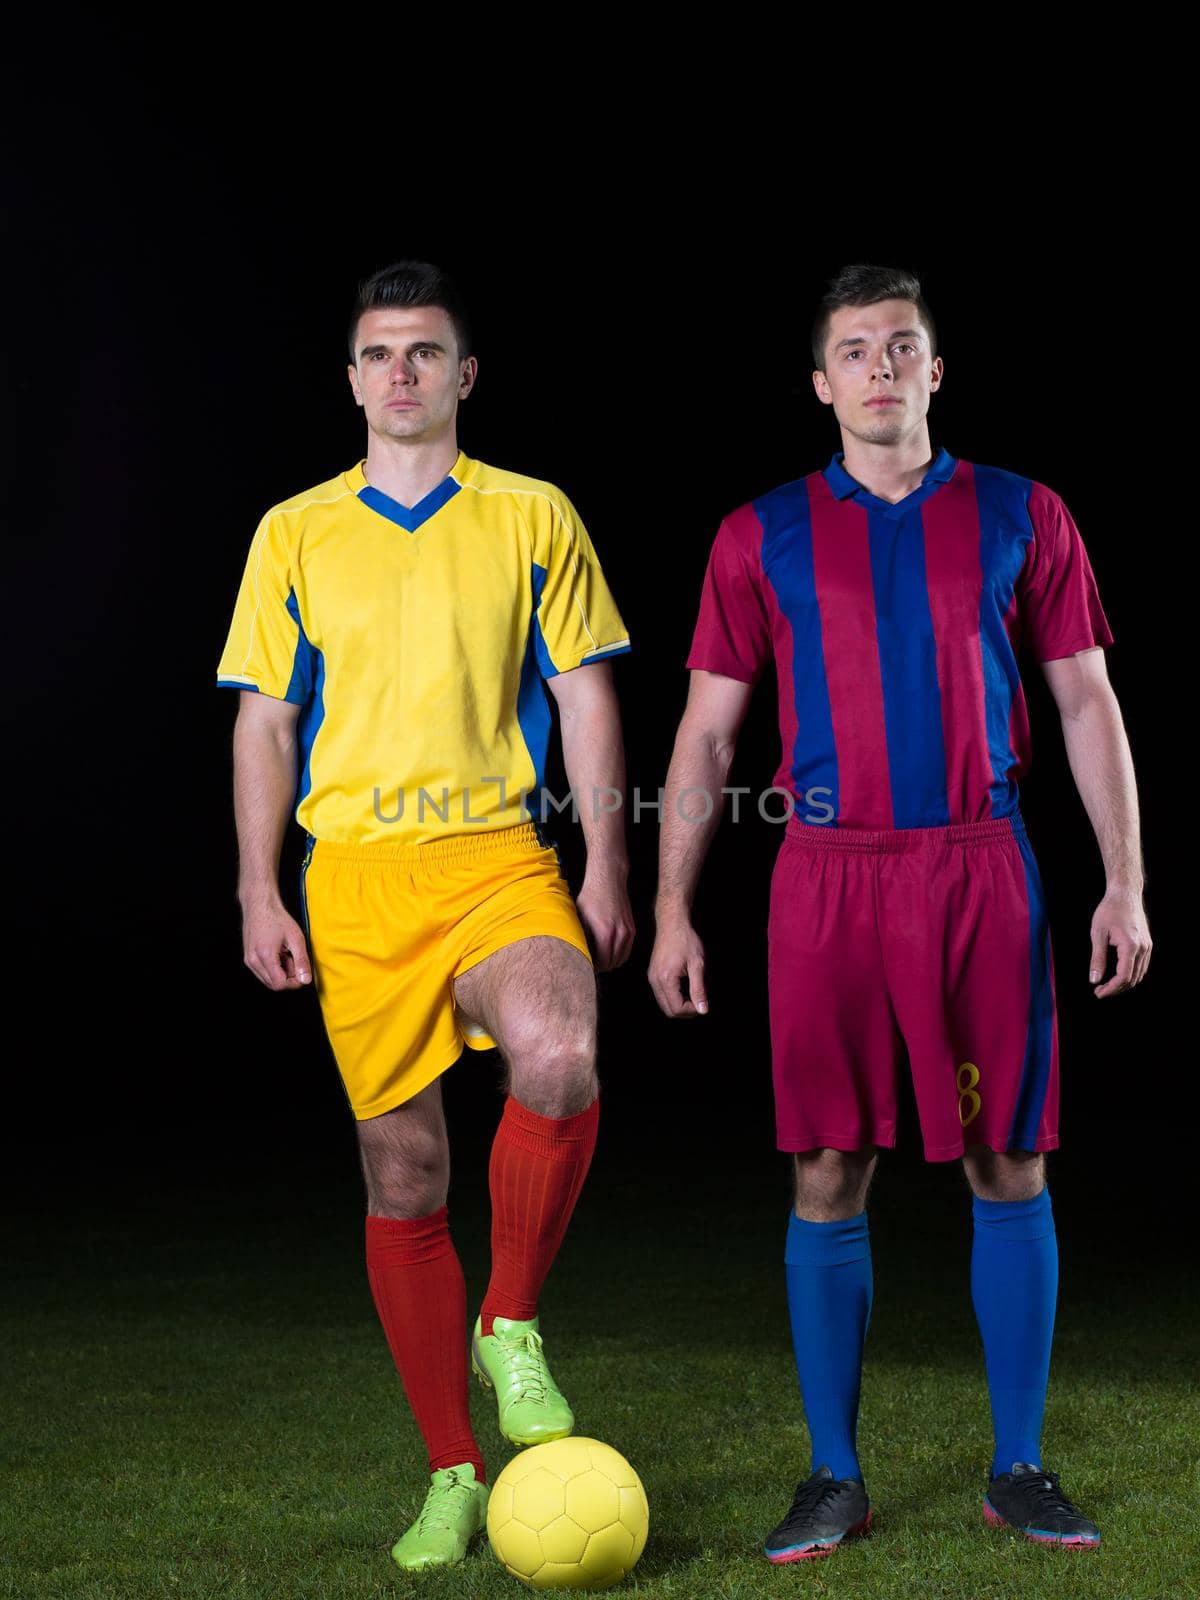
[
  {"x": 635, "y": 1515},
  {"x": 521, "y": 1466},
  {"x": 593, "y": 1500},
  {"x": 563, "y": 1540},
  {"x": 611, "y": 1550},
  {"x": 500, "y": 1503},
  {"x": 566, "y": 1457},
  {"x": 563, "y": 1575},
  {"x": 517, "y": 1547},
  {"x": 611, "y": 1463},
  {"x": 538, "y": 1498}
]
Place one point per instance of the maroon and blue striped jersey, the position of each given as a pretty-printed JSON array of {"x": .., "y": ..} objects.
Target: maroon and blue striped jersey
[{"x": 896, "y": 631}]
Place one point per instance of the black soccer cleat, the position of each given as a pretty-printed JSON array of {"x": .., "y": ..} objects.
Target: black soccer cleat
[
  {"x": 825, "y": 1510},
  {"x": 1031, "y": 1501}
]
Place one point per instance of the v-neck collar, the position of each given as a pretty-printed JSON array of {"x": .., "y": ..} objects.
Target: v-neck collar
[
  {"x": 408, "y": 517},
  {"x": 941, "y": 470}
]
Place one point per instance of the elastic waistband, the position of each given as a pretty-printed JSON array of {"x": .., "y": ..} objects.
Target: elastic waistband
[
  {"x": 891, "y": 841},
  {"x": 456, "y": 846}
]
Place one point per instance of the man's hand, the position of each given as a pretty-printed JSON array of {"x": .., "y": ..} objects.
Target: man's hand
[
  {"x": 678, "y": 953},
  {"x": 1120, "y": 921},
  {"x": 607, "y": 917},
  {"x": 274, "y": 947}
]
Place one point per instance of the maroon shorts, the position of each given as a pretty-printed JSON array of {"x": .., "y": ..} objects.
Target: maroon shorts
[{"x": 930, "y": 938}]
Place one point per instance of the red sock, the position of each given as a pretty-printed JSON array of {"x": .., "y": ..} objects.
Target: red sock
[
  {"x": 536, "y": 1172},
  {"x": 417, "y": 1282}
]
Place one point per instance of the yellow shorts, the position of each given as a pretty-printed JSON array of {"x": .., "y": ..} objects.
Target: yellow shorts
[{"x": 391, "y": 926}]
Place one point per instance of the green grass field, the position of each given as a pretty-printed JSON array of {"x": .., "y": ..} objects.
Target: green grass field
[{"x": 199, "y": 1401}]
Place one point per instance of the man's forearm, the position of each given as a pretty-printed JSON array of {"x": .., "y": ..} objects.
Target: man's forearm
[
  {"x": 594, "y": 758},
  {"x": 1101, "y": 764},
  {"x": 264, "y": 787},
  {"x": 692, "y": 807}
]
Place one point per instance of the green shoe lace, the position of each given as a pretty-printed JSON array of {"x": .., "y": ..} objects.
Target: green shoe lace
[
  {"x": 526, "y": 1366},
  {"x": 443, "y": 1504}
]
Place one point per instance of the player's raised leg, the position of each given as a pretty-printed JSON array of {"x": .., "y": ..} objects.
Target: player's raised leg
[
  {"x": 1014, "y": 1285},
  {"x": 417, "y": 1282},
  {"x": 829, "y": 1285},
  {"x": 537, "y": 999}
]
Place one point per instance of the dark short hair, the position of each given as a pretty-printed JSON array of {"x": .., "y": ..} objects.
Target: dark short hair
[
  {"x": 412, "y": 283},
  {"x": 863, "y": 285}
]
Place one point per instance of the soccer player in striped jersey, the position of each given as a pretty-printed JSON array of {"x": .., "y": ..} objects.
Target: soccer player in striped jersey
[
  {"x": 390, "y": 641},
  {"x": 894, "y": 591}
]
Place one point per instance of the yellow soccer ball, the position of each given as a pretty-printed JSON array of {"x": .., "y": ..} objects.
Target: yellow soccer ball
[{"x": 571, "y": 1514}]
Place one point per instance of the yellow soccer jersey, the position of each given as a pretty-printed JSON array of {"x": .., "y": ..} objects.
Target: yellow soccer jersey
[{"x": 415, "y": 640}]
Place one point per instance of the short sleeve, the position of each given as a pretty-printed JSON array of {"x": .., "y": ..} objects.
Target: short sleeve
[
  {"x": 733, "y": 636},
  {"x": 267, "y": 650},
  {"x": 577, "y": 618},
  {"x": 1059, "y": 604}
]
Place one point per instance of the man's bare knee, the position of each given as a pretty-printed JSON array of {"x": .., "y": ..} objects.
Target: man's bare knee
[
  {"x": 413, "y": 1182},
  {"x": 831, "y": 1185},
  {"x": 406, "y": 1158},
  {"x": 537, "y": 999},
  {"x": 1004, "y": 1174},
  {"x": 554, "y": 1075}
]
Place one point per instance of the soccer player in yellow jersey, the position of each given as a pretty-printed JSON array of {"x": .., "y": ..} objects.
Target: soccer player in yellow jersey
[{"x": 390, "y": 641}]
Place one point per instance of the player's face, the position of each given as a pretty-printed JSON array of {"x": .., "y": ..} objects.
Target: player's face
[
  {"x": 879, "y": 371},
  {"x": 408, "y": 377}
]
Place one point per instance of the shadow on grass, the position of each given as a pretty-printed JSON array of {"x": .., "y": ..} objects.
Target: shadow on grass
[{"x": 668, "y": 1552}]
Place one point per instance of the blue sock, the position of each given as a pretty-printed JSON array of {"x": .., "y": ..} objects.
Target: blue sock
[
  {"x": 1014, "y": 1284},
  {"x": 829, "y": 1287}
]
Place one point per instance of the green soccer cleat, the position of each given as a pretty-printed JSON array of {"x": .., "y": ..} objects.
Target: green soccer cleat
[
  {"x": 532, "y": 1407},
  {"x": 455, "y": 1509}
]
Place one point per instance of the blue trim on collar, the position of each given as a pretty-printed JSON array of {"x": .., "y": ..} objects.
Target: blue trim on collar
[
  {"x": 410, "y": 517},
  {"x": 839, "y": 480},
  {"x": 941, "y": 470}
]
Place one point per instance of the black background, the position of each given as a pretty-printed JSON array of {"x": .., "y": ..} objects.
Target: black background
[{"x": 642, "y": 319}]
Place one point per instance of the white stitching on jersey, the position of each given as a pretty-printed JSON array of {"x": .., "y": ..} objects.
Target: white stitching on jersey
[
  {"x": 257, "y": 597},
  {"x": 538, "y": 494},
  {"x": 603, "y": 649},
  {"x": 286, "y": 510},
  {"x": 578, "y": 601}
]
